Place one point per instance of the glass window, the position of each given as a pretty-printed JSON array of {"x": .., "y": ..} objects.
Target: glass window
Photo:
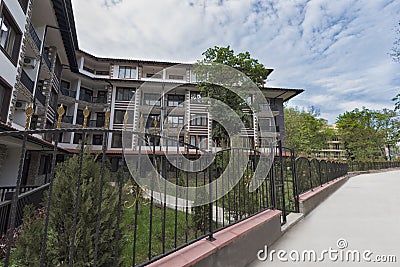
[
  {"x": 119, "y": 116},
  {"x": 176, "y": 100},
  {"x": 152, "y": 99},
  {"x": 198, "y": 120},
  {"x": 175, "y": 77},
  {"x": 175, "y": 121},
  {"x": 5, "y": 92},
  {"x": 10, "y": 35},
  {"x": 199, "y": 141},
  {"x": 77, "y": 138},
  {"x": 125, "y": 94},
  {"x": 150, "y": 121},
  {"x": 116, "y": 140},
  {"x": 126, "y": 72},
  {"x": 97, "y": 139}
]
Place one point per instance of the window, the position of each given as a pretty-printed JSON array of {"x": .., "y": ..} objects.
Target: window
[
  {"x": 5, "y": 93},
  {"x": 175, "y": 77},
  {"x": 116, "y": 140},
  {"x": 154, "y": 76},
  {"x": 150, "y": 121},
  {"x": 199, "y": 141},
  {"x": 198, "y": 120},
  {"x": 97, "y": 139},
  {"x": 10, "y": 36},
  {"x": 44, "y": 165},
  {"x": 77, "y": 138},
  {"x": 65, "y": 84},
  {"x": 175, "y": 121},
  {"x": 127, "y": 72},
  {"x": 119, "y": 116},
  {"x": 176, "y": 100},
  {"x": 86, "y": 95},
  {"x": 125, "y": 94},
  {"x": 264, "y": 124},
  {"x": 79, "y": 117},
  {"x": 152, "y": 100}
]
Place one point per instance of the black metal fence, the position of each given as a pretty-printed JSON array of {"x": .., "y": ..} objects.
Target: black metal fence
[
  {"x": 372, "y": 165},
  {"x": 93, "y": 216},
  {"x": 312, "y": 173}
]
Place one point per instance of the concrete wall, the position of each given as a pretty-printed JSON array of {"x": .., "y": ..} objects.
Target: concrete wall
[
  {"x": 309, "y": 200},
  {"x": 8, "y": 175}
]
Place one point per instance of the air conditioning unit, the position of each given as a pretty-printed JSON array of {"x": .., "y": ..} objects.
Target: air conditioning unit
[
  {"x": 29, "y": 62},
  {"x": 19, "y": 105}
]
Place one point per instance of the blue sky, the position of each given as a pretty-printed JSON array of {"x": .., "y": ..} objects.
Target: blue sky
[{"x": 338, "y": 51}]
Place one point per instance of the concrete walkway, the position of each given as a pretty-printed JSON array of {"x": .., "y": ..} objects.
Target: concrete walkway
[{"x": 364, "y": 213}]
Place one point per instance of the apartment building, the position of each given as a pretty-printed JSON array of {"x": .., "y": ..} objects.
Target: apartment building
[{"x": 42, "y": 66}]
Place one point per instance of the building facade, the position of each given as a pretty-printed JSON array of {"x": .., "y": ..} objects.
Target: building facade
[{"x": 42, "y": 65}]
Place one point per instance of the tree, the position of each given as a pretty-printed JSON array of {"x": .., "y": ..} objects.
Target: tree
[
  {"x": 61, "y": 219},
  {"x": 397, "y": 102},
  {"x": 396, "y": 46},
  {"x": 360, "y": 134},
  {"x": 244, "y": 63},
  {"x": 305, "y": 132}
]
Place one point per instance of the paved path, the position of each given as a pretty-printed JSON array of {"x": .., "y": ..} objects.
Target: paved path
[{"x": 365, "y": 212}]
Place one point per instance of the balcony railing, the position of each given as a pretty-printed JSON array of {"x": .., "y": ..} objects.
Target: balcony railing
[
  {"x": 40, "y": 97},
  {"x": 100, "y": 100},
  {"x": 91, "y": 99},
  {"x": 27, "y": 82},
  {"x": 23, "y": 4},
  {"x": 34, "y": 36},
  {"x": 86, "y": 98},
  {"x": 68, "y": 119},
  {"x": 68, "y": 92},
  {"x": 96, "y": 123},
  {"x": 46, "y": 60}
]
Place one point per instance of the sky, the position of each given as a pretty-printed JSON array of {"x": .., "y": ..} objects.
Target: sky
[{"x": 337, "y": 51}]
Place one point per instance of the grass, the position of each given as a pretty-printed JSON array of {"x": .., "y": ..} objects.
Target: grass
[{"x": 143, "y": 232}]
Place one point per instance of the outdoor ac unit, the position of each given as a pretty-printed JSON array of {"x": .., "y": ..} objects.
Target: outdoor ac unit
[
  {"x": 21, "y": 105},
  {"x": 29, "y": 62}
]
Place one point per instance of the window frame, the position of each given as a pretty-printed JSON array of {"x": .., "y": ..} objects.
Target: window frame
[
  {"x": 201, "y": 118},
  {"x": 5, "y": 105},
  {"x": 124, "y": 69},
  {"x": 119, "y": 111},
  {"x": 172, "y": 124},
  {"x": 124, "y": 89},
  {"x": 179, "y": 99},
  {"x": 148, "y": 102},
  {"x": 5, "y": 14}
]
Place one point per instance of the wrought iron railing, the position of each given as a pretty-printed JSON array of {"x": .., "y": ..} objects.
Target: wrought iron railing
[
  {"x": 27, "y": 82},
  {"x": 313, "y": 173},
  {"x": 34, "y": 36},
  {"x": 372, "y": 165}
]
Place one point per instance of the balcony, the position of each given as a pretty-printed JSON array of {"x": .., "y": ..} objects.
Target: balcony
[
  {"x": 96, "y": 123},
  {"x": 94, "y": 100},
  {"x": 68, "y": 119},
  {"x": 68, "y": 92},
  {"x": 27, "y": 82},
  {"x": 40, "y": 97},
  {"x": 46, "y": 59},
  {"x": 34, "y": 36}
]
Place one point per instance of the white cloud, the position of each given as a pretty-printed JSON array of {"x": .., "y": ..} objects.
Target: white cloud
[{"x": 336, "y": 50}]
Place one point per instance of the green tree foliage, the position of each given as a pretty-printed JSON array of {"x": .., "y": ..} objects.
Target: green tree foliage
[
  {"x": 396, "y": 46},
  {"x": 397, "y": 102},
  {"x": 216, "y": 88},
  {"x": 305, "y": 132},
  {"x": 61, "y": 219},
  {"x": 366, "y": 132}
]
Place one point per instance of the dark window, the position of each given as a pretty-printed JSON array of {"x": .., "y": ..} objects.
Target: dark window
[
  {"x": 79, "y": 117},
  {"x": 176, "y": 100},
  {"x": 199, "y": 141},
  {"x": 127, "y": 72},
  {"x": 116, "y": 140},
  {"x": 10, "y": 36},
  {"x": 86, "y": 95},
  {"x": 53, "y": 99},
  {"x": 65, "y": 85},
  {"x": 125, "y": 94},
  {"x": 5, "y": 93},
  {"x": 175, "y": 121},
  {"x": 175, "y": 77},
  {"x": 150, "y": 121},
  {"x": 198, "y": 120},
  {"x": 154, "y": 76},
  {"x": 77, "y": 138},
  {"x": 44, "y": 165},
  {"x": 24, "y": 4},
  {"x": 152, "y": 100},
  {"x": 97, "y": 139},
  {"x": 119, "y": 116}
]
